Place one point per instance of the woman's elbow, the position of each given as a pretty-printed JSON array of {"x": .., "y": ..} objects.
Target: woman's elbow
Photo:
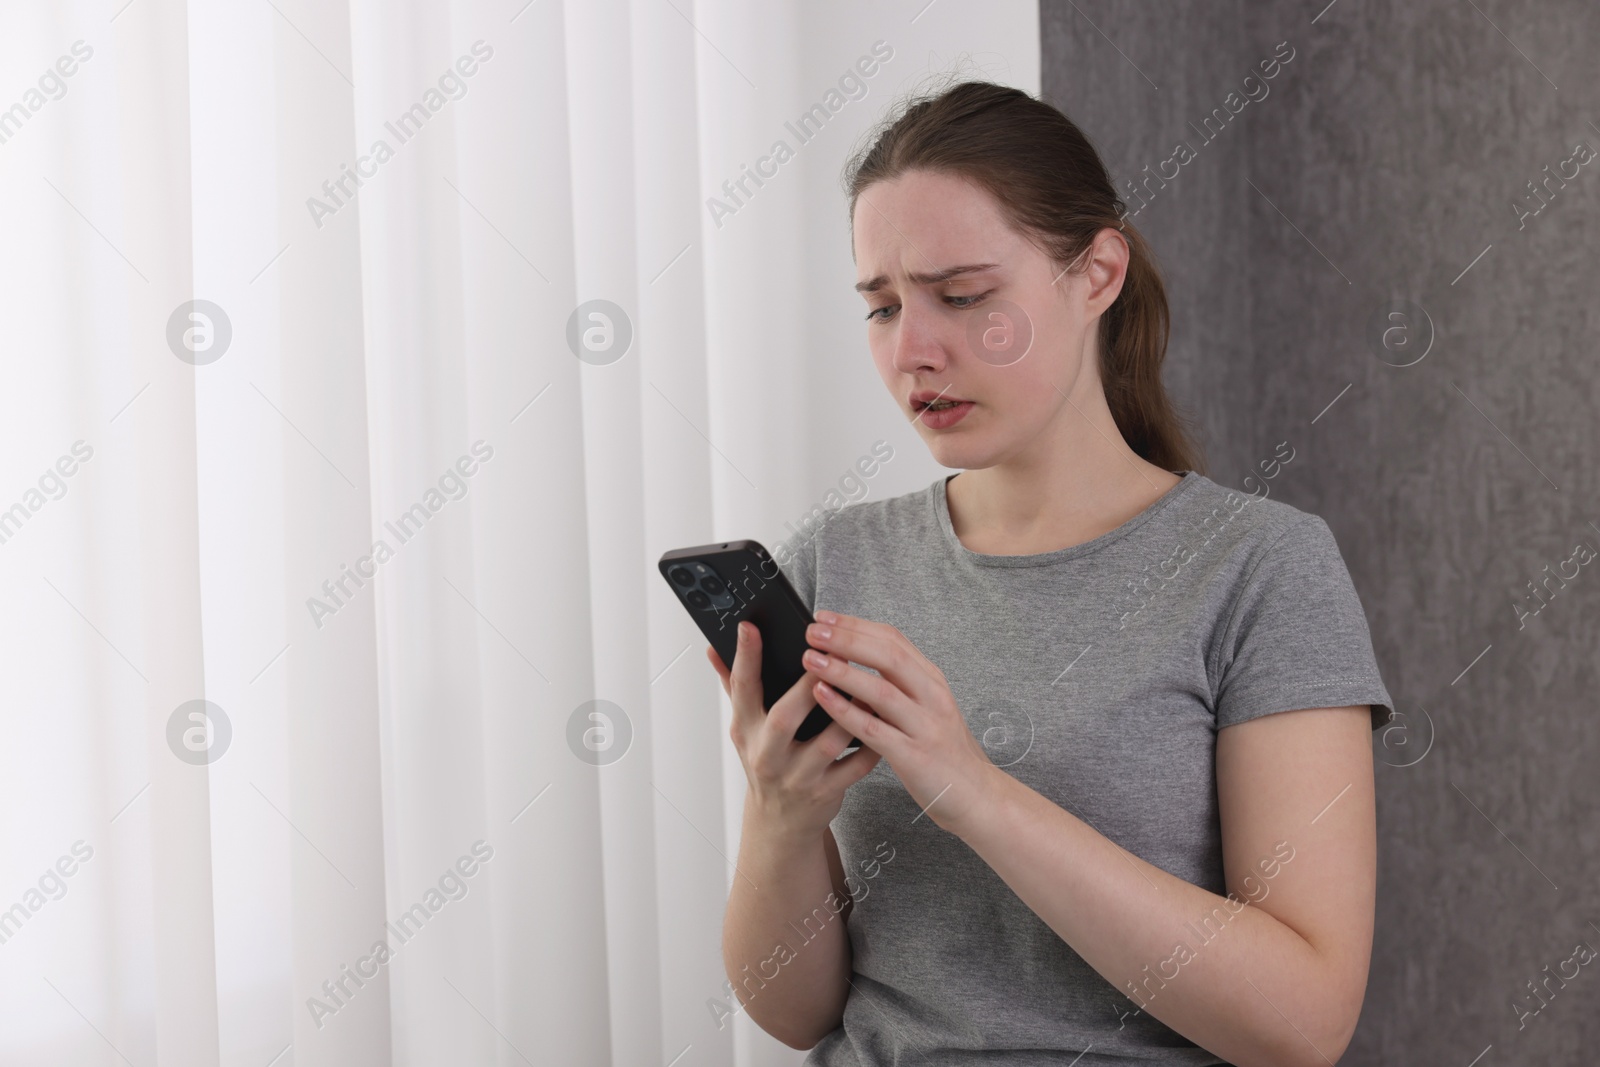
[
  {"x": 801, "y": 1040},
  {"x": 1314, "y": 1038},
  {"x": 1324, "y": 1041},
  {"x": 794, "y": 1033}
]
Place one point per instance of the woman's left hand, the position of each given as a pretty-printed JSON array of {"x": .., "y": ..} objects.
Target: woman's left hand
[{"x": 913, "y": 721}]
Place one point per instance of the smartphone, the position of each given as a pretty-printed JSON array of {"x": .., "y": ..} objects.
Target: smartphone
[{"x": 725, "y": 584}]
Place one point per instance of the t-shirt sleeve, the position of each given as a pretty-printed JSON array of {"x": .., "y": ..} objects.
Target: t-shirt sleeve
[
  {"x": 1297, "y": 636},
  {"x": 798, "y": 562}
]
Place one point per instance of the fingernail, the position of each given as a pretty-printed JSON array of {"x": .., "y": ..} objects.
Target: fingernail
[
  {"x": 827, "y": 616},
  {"x": 814, "y": 658},
  {"x": 822, "y": 633}
]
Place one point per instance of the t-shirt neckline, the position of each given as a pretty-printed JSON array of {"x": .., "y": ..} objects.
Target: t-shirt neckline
[{"x": 941, "y": 509}]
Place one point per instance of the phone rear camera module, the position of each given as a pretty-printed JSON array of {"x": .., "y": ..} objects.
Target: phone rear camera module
[{"x": 700, "y": 586}]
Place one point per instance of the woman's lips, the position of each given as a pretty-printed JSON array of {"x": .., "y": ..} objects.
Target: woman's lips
[{"x": 943, "y": 419}]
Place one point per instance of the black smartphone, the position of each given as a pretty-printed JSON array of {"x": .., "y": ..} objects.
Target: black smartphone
[{"x": 736, "y": 581}]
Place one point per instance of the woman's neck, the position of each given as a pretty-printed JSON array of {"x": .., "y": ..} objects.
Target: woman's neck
[{"x": 1076, "y": 495}]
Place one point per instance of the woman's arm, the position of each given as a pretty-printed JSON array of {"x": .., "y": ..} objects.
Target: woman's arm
[
  {"x": 1280, "y": 983},
  {"x": 795, "y": 992},
  {"x": 1276, "y": 983},
  {"x": 784, "y": 943}
]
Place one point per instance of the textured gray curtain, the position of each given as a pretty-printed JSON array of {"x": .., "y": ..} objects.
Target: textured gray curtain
[{"x": 1380, "y": 229}]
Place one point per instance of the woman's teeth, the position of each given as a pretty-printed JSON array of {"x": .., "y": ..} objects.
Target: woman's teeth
[{"x": 940, "y": 405}]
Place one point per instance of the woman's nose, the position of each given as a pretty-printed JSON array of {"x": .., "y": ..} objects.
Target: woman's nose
[{"x": 918, "y": 343}]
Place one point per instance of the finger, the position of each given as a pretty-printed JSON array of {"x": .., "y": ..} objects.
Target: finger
[
  {"x": 881, "y": 647},
  {"x": 877, "y": 645},
  {"x": 824, "y": 749},
  {"x": 871, "y": 729},
  {"x": 851, "y": 769},
  {"x": 790, "y": 710},
  {"x": 744, "y": 680},
  {"x": 879, "y": 692},
  {"x": 879, "y": 630}
]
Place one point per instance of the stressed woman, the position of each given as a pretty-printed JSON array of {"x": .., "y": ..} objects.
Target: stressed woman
[{"x": 1115, "y": 789}]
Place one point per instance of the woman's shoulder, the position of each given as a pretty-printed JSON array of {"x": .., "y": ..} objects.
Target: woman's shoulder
[
  {"x": 867, "y": 518},
  {"x": 1247, "y": 522},
  {"x": 851, "y": 533},
  {"x": 1291, "y": 629}
]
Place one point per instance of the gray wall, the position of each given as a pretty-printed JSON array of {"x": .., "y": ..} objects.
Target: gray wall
[{"x": 1385, "y": 158}]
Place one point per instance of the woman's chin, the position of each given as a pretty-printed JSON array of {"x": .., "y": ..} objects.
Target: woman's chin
[{"x": 958, "y": 451}]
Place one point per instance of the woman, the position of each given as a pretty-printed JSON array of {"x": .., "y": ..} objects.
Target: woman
[{"x": 1114, "y": 796}]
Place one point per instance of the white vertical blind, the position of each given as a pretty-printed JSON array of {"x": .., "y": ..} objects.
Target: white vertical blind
[{"x": 392, "y": 528}]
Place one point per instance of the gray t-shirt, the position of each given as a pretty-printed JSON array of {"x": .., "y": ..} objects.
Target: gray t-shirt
[{"x": 1097, "y": 675}]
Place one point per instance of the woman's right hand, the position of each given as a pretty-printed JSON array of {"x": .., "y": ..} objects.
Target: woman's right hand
[{"x": 796, "y": 786}]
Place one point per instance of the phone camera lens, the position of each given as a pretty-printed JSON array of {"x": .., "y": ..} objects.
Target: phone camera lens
[
  {"x": 682, "y": 576},
  {"x": 712, "y": 585},
  {"x": 698, "y": 600}
]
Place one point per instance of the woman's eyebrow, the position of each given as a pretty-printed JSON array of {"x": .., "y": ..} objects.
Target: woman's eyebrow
[{"x": 872, "y": 285}]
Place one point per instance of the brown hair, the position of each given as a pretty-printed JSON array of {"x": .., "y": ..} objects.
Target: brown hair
[{"x": 1051, "y": 186}]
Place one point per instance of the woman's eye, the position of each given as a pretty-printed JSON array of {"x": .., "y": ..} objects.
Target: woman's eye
[{"x": 960, "y": 303}]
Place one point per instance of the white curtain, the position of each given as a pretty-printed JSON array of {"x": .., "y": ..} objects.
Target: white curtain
[{"x": 318, "y": 538}]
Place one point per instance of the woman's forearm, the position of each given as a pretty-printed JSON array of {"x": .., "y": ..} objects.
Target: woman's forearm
[
  {"x": 784, "y": 943},
  {"x": 1125, "y": 917}
]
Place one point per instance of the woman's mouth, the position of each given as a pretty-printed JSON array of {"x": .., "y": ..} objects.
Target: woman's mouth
[{"x": 942, "y": 413}]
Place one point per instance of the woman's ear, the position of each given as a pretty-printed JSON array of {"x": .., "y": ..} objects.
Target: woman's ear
[{"x": 1107, "y": 269}]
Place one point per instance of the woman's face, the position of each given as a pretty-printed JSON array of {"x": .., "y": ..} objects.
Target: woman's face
[{"x": 962, "y": 305}]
